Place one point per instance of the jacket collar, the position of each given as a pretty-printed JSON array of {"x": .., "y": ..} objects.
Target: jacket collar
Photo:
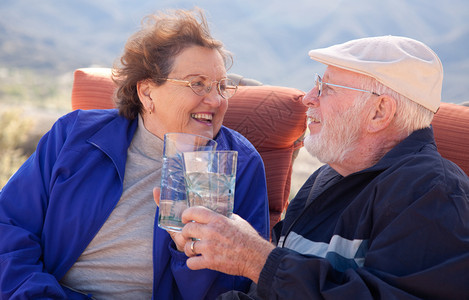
[
  {"x": 414, "y": 143},
  {"x": 114, "y": 139}
]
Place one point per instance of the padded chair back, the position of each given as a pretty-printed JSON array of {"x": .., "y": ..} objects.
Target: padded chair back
[
  {"x": 451, "y": 129},
  {"x": 272, "y": 118}
]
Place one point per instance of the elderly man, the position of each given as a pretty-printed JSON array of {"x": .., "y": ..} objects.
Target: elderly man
[{"x": 386, "y": 217}]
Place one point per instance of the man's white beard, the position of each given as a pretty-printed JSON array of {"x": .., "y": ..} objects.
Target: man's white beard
[{"x": 338, "y": 136}]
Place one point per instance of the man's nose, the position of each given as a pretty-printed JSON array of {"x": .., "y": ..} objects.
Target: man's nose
[{"x": 311, "y": 98}]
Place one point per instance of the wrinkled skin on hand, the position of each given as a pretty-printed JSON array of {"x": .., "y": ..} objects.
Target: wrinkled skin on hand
[{"x": 229, "y": 245}]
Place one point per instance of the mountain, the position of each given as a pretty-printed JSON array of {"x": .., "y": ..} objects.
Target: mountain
[{"x": 269, "y": 39}]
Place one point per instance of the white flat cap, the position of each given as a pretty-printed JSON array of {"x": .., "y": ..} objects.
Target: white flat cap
[{"x": 407, "y": 66}]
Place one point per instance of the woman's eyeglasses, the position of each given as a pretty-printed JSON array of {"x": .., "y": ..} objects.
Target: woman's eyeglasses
[{"x": 201, "y": 85}]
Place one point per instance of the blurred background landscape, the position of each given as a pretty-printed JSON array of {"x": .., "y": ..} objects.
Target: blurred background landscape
[{"x": 43, "y": 42}]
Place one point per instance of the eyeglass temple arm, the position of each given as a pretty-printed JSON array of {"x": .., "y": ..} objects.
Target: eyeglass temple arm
[{"x": 350, "y": 88}]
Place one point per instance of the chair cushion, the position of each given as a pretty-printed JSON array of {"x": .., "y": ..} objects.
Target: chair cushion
[
  {"x": 92, "y": 88},
  {"x": 451, "y": 129}
]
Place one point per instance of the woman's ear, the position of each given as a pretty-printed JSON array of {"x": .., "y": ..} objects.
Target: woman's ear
[
  {"x": 143, "y": 91},
  {"x": 144, "y": 88},
  {"x": 381, "y": 113}
]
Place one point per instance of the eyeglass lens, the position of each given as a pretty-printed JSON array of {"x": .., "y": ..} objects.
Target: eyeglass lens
[
  {"x": 318, "y": 83},
  {"x": 202, "y": 86}
]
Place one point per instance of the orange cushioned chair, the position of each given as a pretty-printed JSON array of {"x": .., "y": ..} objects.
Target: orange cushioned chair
[{"x": 271, "y": 117}]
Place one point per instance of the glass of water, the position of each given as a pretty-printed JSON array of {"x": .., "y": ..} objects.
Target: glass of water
[
  {"x": 173, "y": 196},
  {"x": 210, "y": 178}
]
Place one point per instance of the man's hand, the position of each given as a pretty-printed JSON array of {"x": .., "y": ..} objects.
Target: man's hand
[
  {"x": 229, "y": 245},
  {"x": 177, "y": 237}
]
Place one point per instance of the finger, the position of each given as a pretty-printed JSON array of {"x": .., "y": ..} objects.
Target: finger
[
  {"x": 202, "y": 222},
  {"x": 195, "y": 218},
  {"x": 179, "y": 240},
  {"x": 172, "y": 234},
  {"x": 197, "y": 262},
  {"x": 199, "y": 214},
  {"x": 190, "y": 248},
  {"x": 191, "y": 231},
  {"x": 236, "y": 218},
  {"x": 156, "y": 195}
]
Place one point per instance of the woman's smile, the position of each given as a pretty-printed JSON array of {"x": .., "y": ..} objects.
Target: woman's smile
[{"x": 205, "y": 118}]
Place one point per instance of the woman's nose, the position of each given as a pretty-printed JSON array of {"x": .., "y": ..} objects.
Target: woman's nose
[{"x": 213, "y": 98}]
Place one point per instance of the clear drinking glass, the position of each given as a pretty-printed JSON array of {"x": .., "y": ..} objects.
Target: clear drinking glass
[
  {"x": 210, "y": 179},
  {"x": 173, "y": 199}
]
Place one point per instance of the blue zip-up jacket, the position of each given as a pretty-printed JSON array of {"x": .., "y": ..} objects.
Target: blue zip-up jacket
[
  {"x": 397, "y": 230},
  {"x": 58, "y": 200}
]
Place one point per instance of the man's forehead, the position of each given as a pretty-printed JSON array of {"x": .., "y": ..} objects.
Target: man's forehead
[{"x": 334, "y": 73}]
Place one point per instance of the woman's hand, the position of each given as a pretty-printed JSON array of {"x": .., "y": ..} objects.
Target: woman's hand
[{"x": 177, "y": 237}]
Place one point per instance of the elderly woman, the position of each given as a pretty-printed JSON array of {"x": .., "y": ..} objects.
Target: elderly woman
[{"x": 77, "y": 220}]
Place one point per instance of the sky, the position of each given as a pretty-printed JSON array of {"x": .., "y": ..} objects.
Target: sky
[{"x": 269, "y": 39}]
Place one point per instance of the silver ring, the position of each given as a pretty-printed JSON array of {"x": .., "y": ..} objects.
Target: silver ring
[{"x": 192, "y": 247}]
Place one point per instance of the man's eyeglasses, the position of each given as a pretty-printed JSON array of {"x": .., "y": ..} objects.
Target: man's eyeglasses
[
  {"x": 201, "y": 85},
  {"x": 318, "y": 83}
]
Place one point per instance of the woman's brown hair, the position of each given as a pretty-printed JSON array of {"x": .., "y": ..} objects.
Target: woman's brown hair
[{"x": 150, "y": 52}]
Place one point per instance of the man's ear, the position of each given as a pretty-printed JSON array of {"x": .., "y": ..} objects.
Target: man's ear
[{"x": 381, "y": 113}]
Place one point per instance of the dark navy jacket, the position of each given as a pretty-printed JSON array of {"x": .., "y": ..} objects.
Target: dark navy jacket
[
  {"x": 397, "y": 230},
  {"x": 58, "y": 200}
]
